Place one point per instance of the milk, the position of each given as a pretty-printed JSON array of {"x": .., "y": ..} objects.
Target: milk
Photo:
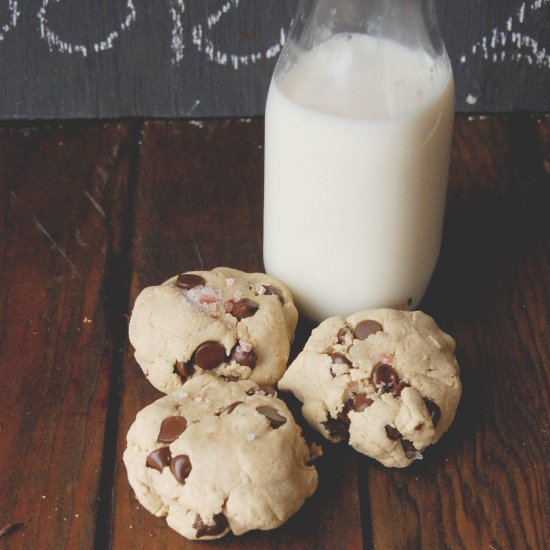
[{"x": 357, "y": 140}]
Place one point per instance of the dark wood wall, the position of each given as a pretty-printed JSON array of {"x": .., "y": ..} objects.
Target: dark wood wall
[{"x": 117, "y": 58}]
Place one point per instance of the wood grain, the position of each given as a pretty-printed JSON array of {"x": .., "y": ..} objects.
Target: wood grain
[
  {"x": 90, "y": 213},
  {"x": 485, "y": 485},
  {"x": 62, "y": 189},
  {"x": 198, "y": 205}
]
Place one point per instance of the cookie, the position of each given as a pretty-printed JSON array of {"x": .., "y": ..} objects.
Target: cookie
[
  {"x": 233, "y": 324},
  {"x": 215, "y": 457},
  {"x": 386, "y": 381}
]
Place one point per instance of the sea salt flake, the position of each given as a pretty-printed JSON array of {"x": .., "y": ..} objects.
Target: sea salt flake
[
  {"x": 387, "y": 358},
  {"x": 204, "y": 299},
  {"x": 260, "y": 289},
  {"x": 238, "y": 295},
  {"x": 250, "y": 437},
  {"x": 245, "y": 346},
  {"x": 230, "y": 281}
]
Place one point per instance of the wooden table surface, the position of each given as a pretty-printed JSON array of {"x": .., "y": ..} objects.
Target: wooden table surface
[{"x": 92, "y": 212}]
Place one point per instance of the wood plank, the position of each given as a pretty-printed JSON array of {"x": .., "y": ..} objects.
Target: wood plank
[
  {"x": 199, "y": 205},
  {"x": 62, "y": 192},
  {"x": 485, "y": 484}
]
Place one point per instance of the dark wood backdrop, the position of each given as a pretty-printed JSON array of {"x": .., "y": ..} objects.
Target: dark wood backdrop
[
  {"x": 113, "y": 58},
  {"x": 92, "y": 212}
]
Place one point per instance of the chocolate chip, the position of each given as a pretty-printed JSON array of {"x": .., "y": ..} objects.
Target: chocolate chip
[
  {"x": 181, "y": 467},
  {"x": 274, "y": 291},
  {"x": 365, "y": 328},
  {"x": 410, "y": 449},
  {"x": 392, "y": 433},
  {"x": 185, "y": 370},
  {"x": 209, "y": 355},
  {"x": 433, "y": 410},
  {"x": 383, "y": 376},
  {"x": 399, "y": 388},
  {"x": 189, "y": 280},
  {"x": 337, "y": 427},
  {"x": 341, "y": 335},
  {"x": 245, "y": 358},
  {"x": 361, "y": 402},
  {"x": 203, "y": 530},
  {"x": 244, "y": 308},
  {"x": 419, "y": 426},
  {"x": 159, "y": 459},
  {"x": 275, "y": 419},
  {"x": 229, "y": 409},
  {"x": 171, "y": 428},
  {"x": 343, "y": 414},
  {"x": 340, "y": 359}
]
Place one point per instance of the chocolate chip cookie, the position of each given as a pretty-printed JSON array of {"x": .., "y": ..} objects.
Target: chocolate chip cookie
[
  {"x": 386, "y": 381},
  {"x": 229, "y": 323},
  {"x": 215, "y": 457}
]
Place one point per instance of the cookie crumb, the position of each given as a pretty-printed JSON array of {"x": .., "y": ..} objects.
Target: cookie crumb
[{"x": 315, "y": 452}]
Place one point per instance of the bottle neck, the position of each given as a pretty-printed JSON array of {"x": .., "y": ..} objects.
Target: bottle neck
[{"x": 412, "y": 23}]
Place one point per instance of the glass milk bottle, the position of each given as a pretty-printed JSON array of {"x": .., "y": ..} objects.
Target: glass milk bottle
[{"x": 358, "y": 129}]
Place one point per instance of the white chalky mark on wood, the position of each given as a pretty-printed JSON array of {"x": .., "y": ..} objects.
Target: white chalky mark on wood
[
  {"x": 193, "y": 107},
  {"x": 207, "y": 46},
  {"x": 12, "y": 21},
  {"x": 177, "y": 7},
  {"x": 55, "y": 42},
  {"x": 42, "y": 229},
  {"x": 95, "y": 204},
  {"x": 55, "y": 246},
  {"x": 529, "y": 49}
]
